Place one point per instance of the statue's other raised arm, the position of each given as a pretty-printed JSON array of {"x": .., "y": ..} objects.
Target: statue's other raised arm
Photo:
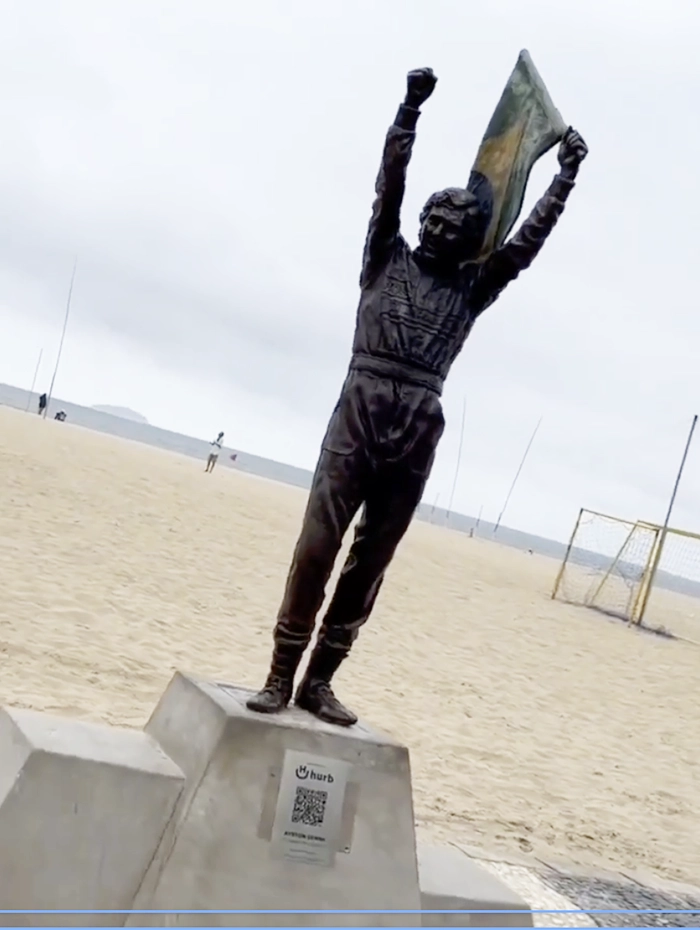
[
  {"x": 506, "y": 263},
  {"x": 391, "y": 181}
]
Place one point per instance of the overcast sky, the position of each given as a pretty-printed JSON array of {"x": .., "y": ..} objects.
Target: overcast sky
[{"x": 212, "y": 166}]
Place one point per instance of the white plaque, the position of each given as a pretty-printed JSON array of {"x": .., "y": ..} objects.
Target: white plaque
[{"x": 308, "y": 818}]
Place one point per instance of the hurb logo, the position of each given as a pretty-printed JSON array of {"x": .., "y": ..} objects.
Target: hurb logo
[{"x": 306, "y": 772}]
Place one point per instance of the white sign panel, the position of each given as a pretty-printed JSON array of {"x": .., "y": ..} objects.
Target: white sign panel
[{"x": 309, "y": 811}]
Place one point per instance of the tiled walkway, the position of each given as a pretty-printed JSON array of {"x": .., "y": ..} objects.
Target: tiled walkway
[{"x": 560, "y": 886}]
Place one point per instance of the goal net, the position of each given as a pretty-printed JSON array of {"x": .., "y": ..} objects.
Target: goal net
[
  {"x": 624, "y": 568},
  {"x": 606, "y": 564}
]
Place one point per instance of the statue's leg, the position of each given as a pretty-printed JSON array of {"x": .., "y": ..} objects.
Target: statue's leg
[
  {"x": 389, "y": 507},
  {"x": 336, "y": 494}
]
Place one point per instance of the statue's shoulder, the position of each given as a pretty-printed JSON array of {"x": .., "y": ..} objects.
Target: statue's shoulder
[
  {"x": 403, "y": 246},
  {"x": 401, "y": 252}
]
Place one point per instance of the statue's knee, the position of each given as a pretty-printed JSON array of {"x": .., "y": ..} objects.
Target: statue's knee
[
  {"x": 315, "y": 557},
  {"x": 373, "y": 553}
]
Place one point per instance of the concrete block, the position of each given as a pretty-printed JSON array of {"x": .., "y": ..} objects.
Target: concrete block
[
  {"x": 83, "y": 808},
  {"x": 451, "y": 881},
  {"x": 251, "y": 833}
]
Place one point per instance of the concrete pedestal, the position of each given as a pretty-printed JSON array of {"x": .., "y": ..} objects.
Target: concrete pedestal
[
  {"x": 82, "y": 811},
  {"x": 450, "y": 881},
  {"x": 281, "y": 812},
  {"x": 215, "y": 808}
]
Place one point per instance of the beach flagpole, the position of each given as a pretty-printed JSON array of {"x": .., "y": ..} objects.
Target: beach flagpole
[
  {"x": 63, "y": 336},
  {"x": 517, "y": 475},
  {"x": 36, "y": 375},
  {"x": 664, "y": 529},
  {"x": 459, "y": 456}
]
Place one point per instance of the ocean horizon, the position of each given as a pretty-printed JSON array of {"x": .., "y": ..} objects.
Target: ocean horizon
[{"x": 193, "y": 447}]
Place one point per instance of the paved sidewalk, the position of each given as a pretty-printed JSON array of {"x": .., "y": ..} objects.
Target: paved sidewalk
[{"x": 548, "y": 885}]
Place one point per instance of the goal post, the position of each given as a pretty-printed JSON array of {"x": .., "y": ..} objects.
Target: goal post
[
  {"x": 607, "y": 564},
  {"x": 636, "y": 571}
]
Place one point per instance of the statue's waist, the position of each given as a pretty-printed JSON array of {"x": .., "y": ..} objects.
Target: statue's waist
[{"x": 398, "y": 371}]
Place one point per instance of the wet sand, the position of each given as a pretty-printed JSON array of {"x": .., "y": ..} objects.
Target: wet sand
[{"x": 533, "y": 726}]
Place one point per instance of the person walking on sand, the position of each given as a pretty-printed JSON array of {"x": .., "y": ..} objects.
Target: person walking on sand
[{"x": 214, "y": 453}]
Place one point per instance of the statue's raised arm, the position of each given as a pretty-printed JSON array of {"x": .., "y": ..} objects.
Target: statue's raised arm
[{"x": 391, "y": 180}]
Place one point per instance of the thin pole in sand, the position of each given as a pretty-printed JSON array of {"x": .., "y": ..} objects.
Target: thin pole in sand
[
  {"x": 664, "y": 528},
  {"x": 31, "y": 389},
  {"x": 63, "y": 336},
  {"x": 517, "y": 475},
  {"x": 459, "y": 457}
]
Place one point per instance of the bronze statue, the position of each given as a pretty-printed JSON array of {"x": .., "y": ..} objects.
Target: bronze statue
[{"x": 416, "y": 310}]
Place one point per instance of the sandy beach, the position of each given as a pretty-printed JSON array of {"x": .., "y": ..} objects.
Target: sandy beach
[{"x": 533, "y": 726}]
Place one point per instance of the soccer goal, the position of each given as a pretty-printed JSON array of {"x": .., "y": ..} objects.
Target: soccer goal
[
  {"x": 634, "y": 571},
  {"x": 607, "y": 564}
]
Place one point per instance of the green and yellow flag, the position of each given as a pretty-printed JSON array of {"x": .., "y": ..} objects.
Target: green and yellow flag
[{"x": 524, "y": 126}]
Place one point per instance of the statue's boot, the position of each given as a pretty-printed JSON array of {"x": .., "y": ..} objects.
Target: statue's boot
[
  {"x": 277, "y": 691},
  {"x": 315, "y": 695}
]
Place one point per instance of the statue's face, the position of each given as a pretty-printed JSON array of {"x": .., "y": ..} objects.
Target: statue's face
[{"x": 451, "y": 229}]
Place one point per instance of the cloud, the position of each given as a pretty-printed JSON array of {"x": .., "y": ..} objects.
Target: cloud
[{"x": 212, "y": 167}]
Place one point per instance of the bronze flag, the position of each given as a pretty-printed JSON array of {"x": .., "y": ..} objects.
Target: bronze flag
[{"x": 524, "y": 126}]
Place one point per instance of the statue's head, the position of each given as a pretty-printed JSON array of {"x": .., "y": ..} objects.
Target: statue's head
[{"x": 452, "y": 227}]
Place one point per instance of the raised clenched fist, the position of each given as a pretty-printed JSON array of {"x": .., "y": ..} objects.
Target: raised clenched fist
[{"x": 419, "y": 86}]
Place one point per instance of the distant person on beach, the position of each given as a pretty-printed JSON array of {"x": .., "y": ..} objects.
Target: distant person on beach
[
  {"x": 61, "y": 416},
  {"x": 42, "y": 404},
  {"x": 214, "y": 453}
]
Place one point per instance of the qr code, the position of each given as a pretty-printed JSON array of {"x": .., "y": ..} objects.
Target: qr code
[{"x": 309, "y": 806}]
